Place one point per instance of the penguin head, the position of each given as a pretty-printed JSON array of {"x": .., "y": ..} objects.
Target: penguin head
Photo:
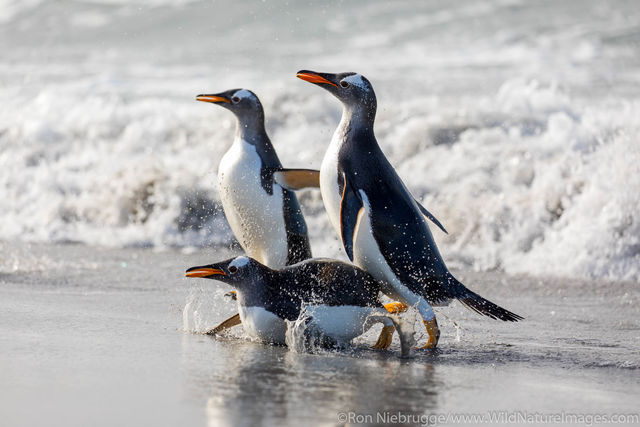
[
  {"x": 353, "y": 89},
  {"x": 240, "y": 272},
  {"x": 242, "y": 102}
]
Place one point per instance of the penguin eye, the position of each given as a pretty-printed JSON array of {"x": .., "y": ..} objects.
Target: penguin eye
[
  {"x": 344, "y": 84},
  {"x": 233, "y": 269},
  {"x": 235, "y": 99}
]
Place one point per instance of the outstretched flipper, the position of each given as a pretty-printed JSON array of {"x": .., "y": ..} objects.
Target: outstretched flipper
[
  {"x": 229, "y": 323},
  {"x": 430, "y": 216},
  {"x": 297, "y": 179},
  {"x": 351, "y": 208},
  {"x": 410, "y": 299},
  {"x": 391, "y": 324},
  {"x": 386, "y": 334}
]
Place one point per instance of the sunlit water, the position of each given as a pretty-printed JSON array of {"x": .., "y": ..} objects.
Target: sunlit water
[
  {"x": 515, "y": 122},
  {"x": 96, "y": 337}
]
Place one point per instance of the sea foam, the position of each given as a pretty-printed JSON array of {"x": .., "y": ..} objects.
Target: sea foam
[{"x": 523, "y": 142}]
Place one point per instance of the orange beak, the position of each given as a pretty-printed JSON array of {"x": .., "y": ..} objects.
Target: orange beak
[
  {"x": 211, "y": 98},
  {"x": 204, "y": 272},
  {"x": 314, "y": 78}
]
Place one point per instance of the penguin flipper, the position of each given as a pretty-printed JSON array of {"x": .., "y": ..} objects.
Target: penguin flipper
[
  {"x": 297, "y": 179},
  {"x": 430, "y": 216},
  {"x": 229, "y": 323},
  {"x": 351, "y": 208}
]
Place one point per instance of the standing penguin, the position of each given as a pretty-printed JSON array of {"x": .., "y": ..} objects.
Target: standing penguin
[
  {"x": 265, "y": 217},
  {"x": 383, "y": 228},
  {"x": 340, "y": 300}
]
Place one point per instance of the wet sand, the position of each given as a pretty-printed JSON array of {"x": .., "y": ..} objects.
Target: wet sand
[{"x": 97, "y": 337}]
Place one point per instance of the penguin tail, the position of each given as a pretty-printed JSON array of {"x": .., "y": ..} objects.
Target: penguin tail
[{"x": 485, "y": 307}]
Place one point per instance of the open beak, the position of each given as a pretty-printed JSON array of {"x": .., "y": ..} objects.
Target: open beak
[
  {"x": 204, "y": 271},
  {"x": 313, "y": 77},
  {"x": 212, "y": 98}
]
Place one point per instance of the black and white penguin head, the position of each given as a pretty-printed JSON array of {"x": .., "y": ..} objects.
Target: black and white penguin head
[
  {"x": 242, "y": 102},
  {"x": 238, "y": 272},
  {"x": 352, "y": 89}
]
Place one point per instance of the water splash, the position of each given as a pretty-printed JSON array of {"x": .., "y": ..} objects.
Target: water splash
[
  {"x": 204, "y": 309},
  {"x": 303, "y": 336}
]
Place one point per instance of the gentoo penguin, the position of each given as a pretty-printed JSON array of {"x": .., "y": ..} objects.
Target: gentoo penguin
[
  {"x": 265, "y": 217},
  {"x": 383, "y": 228},
  {"x": 340, "y": 300}
]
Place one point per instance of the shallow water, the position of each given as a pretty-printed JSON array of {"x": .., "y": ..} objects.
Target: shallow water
[{"x": 96, "y": 337}]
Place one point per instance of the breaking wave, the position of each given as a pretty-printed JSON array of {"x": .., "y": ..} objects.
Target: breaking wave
[{"x": 529, "y": 163}]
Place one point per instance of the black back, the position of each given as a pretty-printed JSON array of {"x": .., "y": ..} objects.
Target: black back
[{"x": 314, "y": 281}]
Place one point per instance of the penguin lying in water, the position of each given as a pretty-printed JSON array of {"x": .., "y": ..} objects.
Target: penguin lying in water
[
  {"x": 264, "y": 215},
  {"x": 382, "y": 227},
  {"x": 340, "y": 300}
]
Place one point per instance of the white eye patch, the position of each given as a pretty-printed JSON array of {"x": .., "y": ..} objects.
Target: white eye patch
[
  {"x": 239, "y": 262},
  {"x": 356, "y": 80},
  {"x": 243, "y": 93}
]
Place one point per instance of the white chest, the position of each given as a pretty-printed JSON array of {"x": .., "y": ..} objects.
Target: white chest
[
  {"x": 262, "y": 325},
  {"x": 367, "y": 255},
  {"x": 366, "y": 252},
  {"x": 255, "y": 217},
  {"x": 331, "y": 196},
  {"x": 342, "y": 323}
]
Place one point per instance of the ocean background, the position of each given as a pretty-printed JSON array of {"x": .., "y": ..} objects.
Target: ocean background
[{"x": 516, "y": 123}]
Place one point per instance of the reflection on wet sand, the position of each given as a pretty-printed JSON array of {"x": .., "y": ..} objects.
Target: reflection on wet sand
[
  {"x": 543, "y": 365},
  {"x": 254, "y": 383}
]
